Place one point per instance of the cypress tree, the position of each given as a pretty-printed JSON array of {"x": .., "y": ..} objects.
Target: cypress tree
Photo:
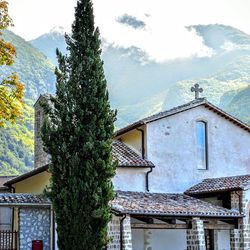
[{"x": 77, "y": 133}]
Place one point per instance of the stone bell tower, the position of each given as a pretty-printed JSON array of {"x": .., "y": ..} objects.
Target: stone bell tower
[{"x": 41, "y": 158}]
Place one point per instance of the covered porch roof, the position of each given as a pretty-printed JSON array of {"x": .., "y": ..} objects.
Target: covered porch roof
[
  {"x": 168, "y": 205},
  {"x": 23, "y": 200},
  {"x": 223, "y": 184},
  {"x": 124, "y": 155}
]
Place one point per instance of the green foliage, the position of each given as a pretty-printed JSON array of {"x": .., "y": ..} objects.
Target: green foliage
[
  {"x": 32, "y": 67},
  {"x": 16, "y": 147},
  {"x": 48, "y": 43},
  {"x": 16, "y": 140},
  {"x": 240, "y": 104},
  {"x": 139, "y": 86},
  {"x": 78, "y": 135}
]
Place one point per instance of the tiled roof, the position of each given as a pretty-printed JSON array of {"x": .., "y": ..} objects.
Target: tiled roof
[
  {"x": 221, "y": 184},
  {"x": 127, "y": 157},
  {"x": 16, "y": 199},
  {"x": 157, "y": 204},
  {"x": 26, "y": 175},
  {"x": 4, "y": 179},
  {"x": 181, "y": 108}
]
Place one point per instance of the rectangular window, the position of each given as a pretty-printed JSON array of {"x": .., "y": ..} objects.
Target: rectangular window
[{"x": 201, "y": 134}]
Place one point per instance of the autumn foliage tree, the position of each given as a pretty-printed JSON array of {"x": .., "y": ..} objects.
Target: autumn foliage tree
[{"x": 11, "y": 89}]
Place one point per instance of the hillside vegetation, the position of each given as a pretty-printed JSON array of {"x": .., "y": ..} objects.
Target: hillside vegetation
[
  {"x": 138, "y": 86},
  {"x": 36, "y": 72}
]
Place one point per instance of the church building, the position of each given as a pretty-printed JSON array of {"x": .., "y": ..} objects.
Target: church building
[{"x": 182, "y": 181}]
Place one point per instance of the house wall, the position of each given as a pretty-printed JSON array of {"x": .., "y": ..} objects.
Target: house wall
[
  {"x": 159, "y": 239},
  {"x": 223, "y": 240},
  {"x": 34, "y": 185},
  {"x": 134, "y": 140},
  {"x": 130, "y": 179},
  {"x": 34, "y": 224},
  {"x": 114, "y": 228},
  {"x": 5, "y": 218},
  {"x": 171, "y": 146}
]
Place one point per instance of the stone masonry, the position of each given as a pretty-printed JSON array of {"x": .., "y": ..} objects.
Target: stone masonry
[
  {"x": 240, "y": 238},
  {"x": 196, "y": 235},
  {"x": 34, "y": 224},
  {"x": 114, "y": 233},
  {"x": 41, "y": 158}
]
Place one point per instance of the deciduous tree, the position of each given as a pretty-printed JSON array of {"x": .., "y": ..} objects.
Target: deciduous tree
[{"x": 11, "y": 89}]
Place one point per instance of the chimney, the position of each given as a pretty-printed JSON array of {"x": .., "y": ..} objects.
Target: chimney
[{"x": 41, "y": 158}]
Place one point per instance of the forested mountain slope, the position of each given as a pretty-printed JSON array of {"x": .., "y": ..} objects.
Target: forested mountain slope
[
  {"x": 138, "y": 86},
  {"x": 37, "y": 73}
]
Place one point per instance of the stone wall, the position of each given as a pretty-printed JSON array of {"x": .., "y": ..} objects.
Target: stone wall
[
  {"x": 34, "y": 224},
  {"x": 41, "y": 158},
  {"x": 240, "y": 238},
  {"x": 196, "y": 235},
  {"x": 114, "y": 233}
]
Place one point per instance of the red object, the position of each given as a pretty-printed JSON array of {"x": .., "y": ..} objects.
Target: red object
[{"x": 37, "y": 245}]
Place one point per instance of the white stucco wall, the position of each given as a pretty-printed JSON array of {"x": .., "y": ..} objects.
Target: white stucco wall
[
  {"x": 223, "y": 239},
  {"x": 159, "y": 239},
  {"x": 130, "y": 179},
  {"x": 171, "y": 146}
]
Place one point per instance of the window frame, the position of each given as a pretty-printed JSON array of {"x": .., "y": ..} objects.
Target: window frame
[{"x": 206, "y": 142}]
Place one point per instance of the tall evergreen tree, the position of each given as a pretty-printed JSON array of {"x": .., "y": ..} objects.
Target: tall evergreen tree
[{"x": 78, "y": 135}]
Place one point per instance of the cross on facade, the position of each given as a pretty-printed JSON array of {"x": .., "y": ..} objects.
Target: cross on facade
[{"x": 197, "y": 90}]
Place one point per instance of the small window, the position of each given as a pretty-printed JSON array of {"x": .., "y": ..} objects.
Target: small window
[{"x": 201, "y": 137}]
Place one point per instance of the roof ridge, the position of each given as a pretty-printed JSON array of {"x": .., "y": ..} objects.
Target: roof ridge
[
  {"x": 182, "y": 108},
  {"x": 224, "y": 177}
]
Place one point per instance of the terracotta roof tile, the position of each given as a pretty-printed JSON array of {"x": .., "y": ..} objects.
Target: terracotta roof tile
[
  {"x": 163, "y": 204},
  {"x": 4, "y": 179},
  {"x": 127, "y": 157},
  {"x": 23, "y": 199},
  {"x": 220, "y": 184}
]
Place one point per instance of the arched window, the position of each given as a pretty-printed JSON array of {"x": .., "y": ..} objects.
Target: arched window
[{"x": 202, "y": 151}]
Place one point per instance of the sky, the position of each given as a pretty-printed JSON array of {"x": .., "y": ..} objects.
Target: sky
[{"x": 164, "y": 36}]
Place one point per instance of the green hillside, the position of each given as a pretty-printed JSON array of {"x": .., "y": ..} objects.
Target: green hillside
[
  {"x": 48, "y": 43},
  {"x": 36, "y": 72},
  {"x": 137, "y": 83},
  {"x": 240, "y": 104},
  {"x": 138, "y": 86},
  {"x": 33, "y": 67}
]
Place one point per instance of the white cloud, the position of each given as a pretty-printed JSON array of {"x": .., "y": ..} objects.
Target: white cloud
[{"x": 165, "y": 36}]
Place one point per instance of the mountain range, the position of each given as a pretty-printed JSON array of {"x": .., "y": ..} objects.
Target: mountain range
[{"x": 138, "y": 85}]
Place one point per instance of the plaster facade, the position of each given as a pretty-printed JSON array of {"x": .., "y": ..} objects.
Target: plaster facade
[
  {"x": 171, "y": 146},
  {"x": 133, "y": 139},
  {"x": 170, "y": 143},
  {"x": 35, "y": 184},
  {"x": 155, "y": 239},
  {"x": 127, "y": 179}
]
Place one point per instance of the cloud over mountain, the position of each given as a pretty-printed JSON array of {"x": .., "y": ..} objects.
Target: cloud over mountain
[{"x": 131, "y": 21}]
